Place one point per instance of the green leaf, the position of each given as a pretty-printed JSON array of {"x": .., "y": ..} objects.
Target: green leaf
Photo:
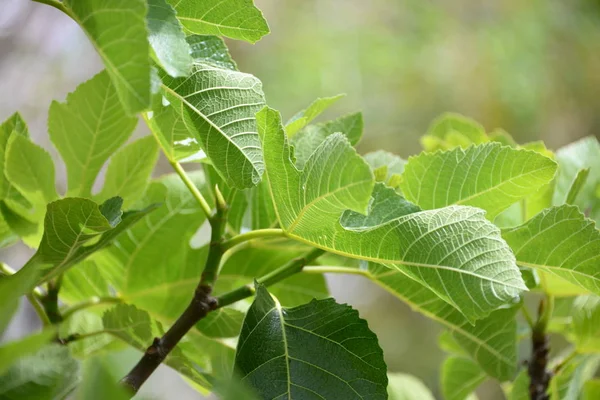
[
  {"x": 310, "y": 203},
  {"x": 129, "y": 171},
  {"x": 261, "y": 207},
  {"x": 321, "y": 349},
  {"x": 586, "y": 323},
  {"x": 69, "y": 225},
  {"x": 118, "y": 31},
  {"x": 98, "y": 383},
  {"x": 167, "y": 39},
  {"x": 237, "y": 19},
  {"x": 519, "y": 390},
  {"x": 13, "y": 125},
  {"x": 591, "y": 390},
  {"x": 211, "y": 48},
  {"x": 577, "y": 185},
  {"x": 49, "y": 374},
  {"x": 449, "y": 123},
  {"x": 84, "y": 282},
  {"x": 10, "y": 352},
  {"x": 460, "y": 377},
  {"x": 87, "y": 129},
  {"x": 489, "y": 176},
  {"x": 560, "y": 241},
  {"x": 387, "y": 167},
  {"x": 491, "y": 341},
  {"x": 302, "y": 118},
  {"x": 407, "y": 387},
  {"x": 306, "y": 141},
  {"x": 579, "y": 155},
  {"x": 215, "y": 109},
  {"x": 11, "y": 289},
  {"x": 30, "y": 169},
  {"x": 136, "y": 328},
  {"x": 258, "y": 259},
  {"x": 568, "y": 383},
  {"x": 160, "y": 243}
]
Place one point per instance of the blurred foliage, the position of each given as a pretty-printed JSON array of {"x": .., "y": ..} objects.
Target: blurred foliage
[{"x": 529, "y": 67}]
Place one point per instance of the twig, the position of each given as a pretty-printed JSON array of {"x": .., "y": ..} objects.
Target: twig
[{"x": 539, "y": 376}]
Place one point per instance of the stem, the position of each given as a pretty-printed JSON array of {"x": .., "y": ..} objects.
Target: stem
[
  {"x": 93, "y": 301},
  {"x": 290, "y": 268},
  {"x": 527, "y": 316},
  {"x": 201, "y": 304},
  {"x": 192, "y": 188},
  {"x": 540, "y": 347},
  {"x": 259, "y": 233},
  {"x": 39, "y": 310},
  {"x": 50, "y": 301},
  {"x": 335, "y": 270},
  {"x": 80, "y": 336}
]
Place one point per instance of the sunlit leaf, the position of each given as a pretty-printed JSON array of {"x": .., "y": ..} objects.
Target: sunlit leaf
[
  {"x": 319, "y": 349},
  {"x": 577, "y": 185},
  {"x": 561, "y": 241},
  {"x": 488, "y": 176},
  {"x": 117, "y": 28},
  {"x": 211, "y": 48},
  {"x": 407, "y": 387},
  {"x": 237, "y": 19},
  {"x": 214, "y": 109},
  {"x": 306, "y": 141},
  {"x": 335, "y": 180},
  {"x": 303, "y": 118},
  {"x": 129, "y": 171},
  {"x": 387, "y": 167},
  {"x": 87, "y": 129}
]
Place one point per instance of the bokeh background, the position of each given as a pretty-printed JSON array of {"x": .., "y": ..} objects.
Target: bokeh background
[{"x": 530, "y": 67}]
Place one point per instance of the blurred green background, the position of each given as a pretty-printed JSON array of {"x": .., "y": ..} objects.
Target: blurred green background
[{"x": 531, "y": 67}]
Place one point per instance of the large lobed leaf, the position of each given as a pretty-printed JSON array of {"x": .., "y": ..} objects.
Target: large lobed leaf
[
  {"x": 237, "y": 19},
  {"x": 321, "y": 349},
  {"x": 454, "y": 251},
  {"x": 117, "y": 28},
  {"x": 488, "y": 176},
  {"x": 87, "y": 129},
  {"x": 561, "y": 241}
]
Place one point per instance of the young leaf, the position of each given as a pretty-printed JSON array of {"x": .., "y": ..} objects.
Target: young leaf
[
  {"x": 69, "y": 225},
  {"x": 407, "y": 387},
  {"x": 167, "y": 39},
  {"x": 50, "y": 373},
  {"x": 87, "y": 129},
  {"x": 237, "y": 19},
  {"x": 460, "y": 377},
  {"x": 129, "y": 171},
  {"x": 335, "y": 180},
  {"x": 451, "y": 122},
  {"x": 561, "y": 241},
  {"x": 10, "y": 352},
  {"x": 118, "y": 31},
  {"x": 320, "y": 349},
  {"x": 387, "y": 167},
  {"x": 306, "y": 141},
  {"x": 214, "y": 108},
  {"x": 586, "y": 323},
  {"x": 488, "y": 176},
  {"x": 302, "y": 118},
  {"x": 30, "y": 169}
]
